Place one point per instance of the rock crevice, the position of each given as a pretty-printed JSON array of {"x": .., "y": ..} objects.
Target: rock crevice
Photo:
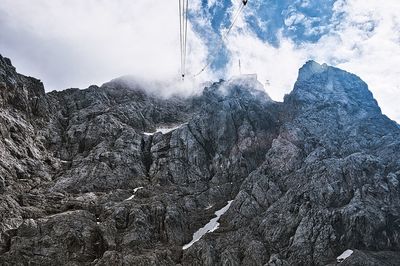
[{"x": 310, "y": 178}]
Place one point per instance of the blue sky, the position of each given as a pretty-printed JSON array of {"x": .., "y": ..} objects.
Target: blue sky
[
  {"x": 275, "y": 37},
  {"x": 300, "y": 21},
  {"x": 75, "y": 43}
]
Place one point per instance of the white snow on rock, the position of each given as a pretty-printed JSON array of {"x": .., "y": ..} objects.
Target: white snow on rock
[
  {"x": 164, "y": 130},
  {"x": 208, "y": 207},
  {"x": 212, "y": 225},
  {"x": 134, "y": 191},
  {"x": 131, "y": 197},
  {"x": 344, "y": 255}
]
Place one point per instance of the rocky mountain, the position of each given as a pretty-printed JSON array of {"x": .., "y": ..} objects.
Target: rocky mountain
[{"x": 117, "y": 175}]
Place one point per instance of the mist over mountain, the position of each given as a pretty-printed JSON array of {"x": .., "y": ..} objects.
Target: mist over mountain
[{"x": 121, "y": 175}]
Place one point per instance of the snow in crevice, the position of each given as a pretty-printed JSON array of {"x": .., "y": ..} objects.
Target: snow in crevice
[
  {"x": 211, "y": 226},
  {"x": 134, "y": 191},
  {"x": 164, "y": 130},
  {"x": 344, "y": 255}
]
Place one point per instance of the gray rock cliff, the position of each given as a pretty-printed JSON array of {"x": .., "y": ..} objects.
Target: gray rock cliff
[{"x": 117, "y": 175}]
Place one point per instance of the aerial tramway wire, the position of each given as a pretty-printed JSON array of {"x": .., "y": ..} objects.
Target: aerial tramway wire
[
  {"x": 185, "y": 44},
  {"x": 224, "y": 36},
  {"x": 180, "y": 33},
  {"x": 183, "y": 22}
]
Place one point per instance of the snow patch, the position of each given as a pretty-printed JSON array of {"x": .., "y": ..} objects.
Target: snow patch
[
  {"x": 134, "y": 191},
  {"x": 212, "y": 225},
  {"x": 344, "y": 255},
  {"x": 131, "y": 197},
  {"x": 164, "y": 130}
]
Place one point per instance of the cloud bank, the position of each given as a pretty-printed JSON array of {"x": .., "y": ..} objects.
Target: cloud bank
[
  {"x": 362, "y": 38},
  {"x": 74, "y": 43}
]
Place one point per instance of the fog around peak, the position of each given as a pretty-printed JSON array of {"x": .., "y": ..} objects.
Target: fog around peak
[{"x": 78, "y": 43}]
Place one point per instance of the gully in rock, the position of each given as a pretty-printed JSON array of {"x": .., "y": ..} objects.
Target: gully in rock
[{"x": 115, "y": 175}]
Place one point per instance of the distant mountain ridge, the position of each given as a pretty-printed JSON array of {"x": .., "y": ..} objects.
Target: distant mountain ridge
[{"x": 87, "y": 177}]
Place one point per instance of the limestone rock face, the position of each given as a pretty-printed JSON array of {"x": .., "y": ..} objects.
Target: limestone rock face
[{"x": 117, "y": 175}]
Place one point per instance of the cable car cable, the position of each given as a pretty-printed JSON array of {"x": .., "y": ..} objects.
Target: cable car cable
[{"x": 224, "y": 36}]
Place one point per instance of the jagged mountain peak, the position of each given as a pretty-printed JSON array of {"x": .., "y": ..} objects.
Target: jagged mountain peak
[
  {"x": 310, "y": 68},
  {"x": 243, "y": 87},
  {"x": 7, "y": 70},
  {"x": 113, "y": 176},
  {"x": 5, "y": 62},
  {"x": 323, "y": 84},
  {"x": 20, "y": 92}
]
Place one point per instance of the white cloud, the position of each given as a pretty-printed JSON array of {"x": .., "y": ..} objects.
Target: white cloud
[
  {"x": 277, "y": 65},
  {"x": 294, "y": 18},
  {"x": 211, "y": 3},
  {"x": 364, "y": 41},
  {"x": 305, "y": 3},
  {"x": 76, "y": 43}
]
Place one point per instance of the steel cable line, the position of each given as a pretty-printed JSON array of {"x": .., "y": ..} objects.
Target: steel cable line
[
  {"x": 180, "y": 33},
  {"x": 185, "y": 45},
  {"x": 183, "y": 22},
  {"x": 224, "y": 36}
]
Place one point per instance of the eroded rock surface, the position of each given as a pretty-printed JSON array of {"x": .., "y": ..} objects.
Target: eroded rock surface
[{"x": 87, "y": 177}]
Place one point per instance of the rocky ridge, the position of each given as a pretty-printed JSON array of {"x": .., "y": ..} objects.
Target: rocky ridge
[{"x": 87, "y": 178}]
